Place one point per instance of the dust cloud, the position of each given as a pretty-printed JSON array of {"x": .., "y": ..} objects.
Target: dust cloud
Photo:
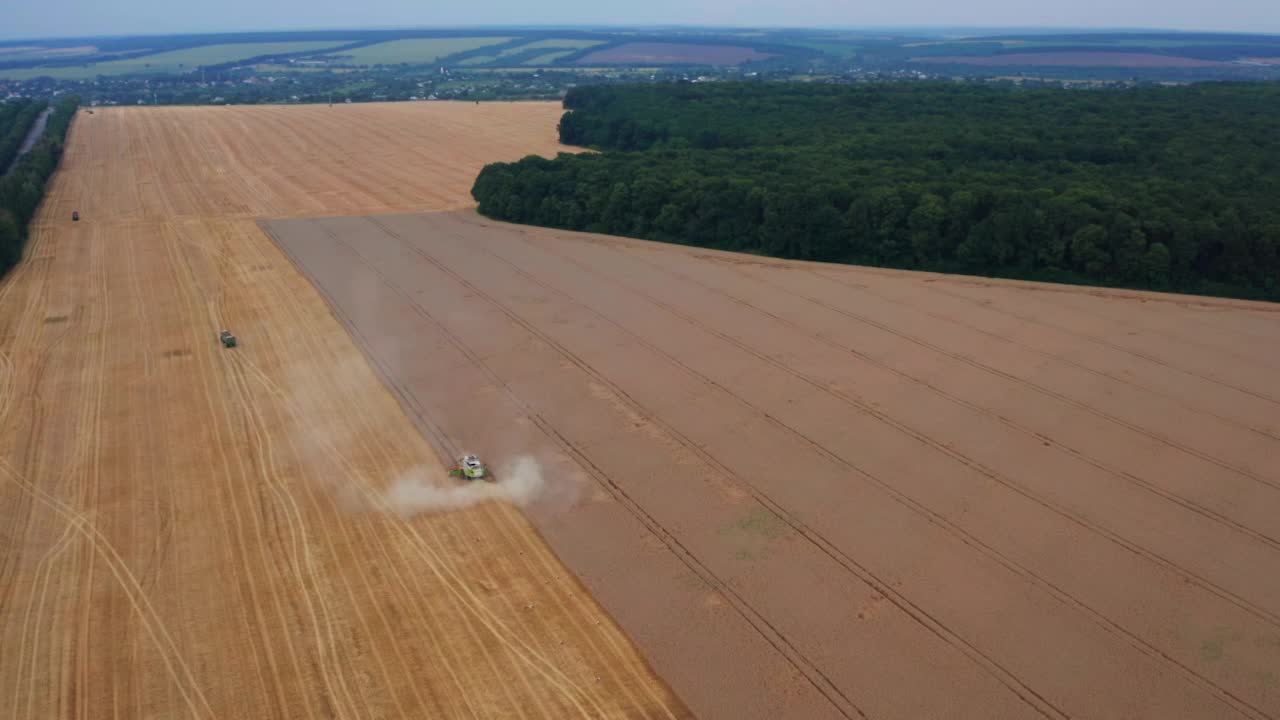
[
  {"x": 323, "y": 430},
  {"x": 419, "y": 491}
]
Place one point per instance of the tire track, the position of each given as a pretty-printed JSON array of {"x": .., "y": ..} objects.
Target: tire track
[
  {"x": 1131, "y": 546},
  {"x": 1058, "y": 592},
  {"x": 910, "y": 609},
  {"x": 451, "y": 581},
  {"x": 22, "y": 343},
  {"x": 1131, "y": 317},
  {"x": 752, "y": 617},
  {"x": 378, "y": 499},
  {"x": 241, "y": 361},
  {"x": 41, "y": 579},
  {"x": 1185, "y": 502},
  {"x": 81, "y": 400},
  {"x": 1017, "y": 380},
  {"x": 76, "y": 456},
  {"x": 229, "y": 517},
  {"x": 178, "y": 670},
  {"x": 474, "y": 640},
  {"x": 306, "y": 335},
  {"x": 317, "y": 610},
  {"x": 91, "y": 433},
  {"x": 219, "y": 411},
  {"x": 296, "y": 540},
  {"x": 1105, "y": 343},
  {"x": 1061, "y": 359}
]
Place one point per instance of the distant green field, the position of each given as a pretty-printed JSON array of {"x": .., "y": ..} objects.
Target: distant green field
[
  {"x": 40, "y": 52},
  {"x": 834, "y": 48},
  {"x": 419, "y": 51},
  {"x": 935, "y": 43},
  {"x": 268, "y": 68},
  {"x": 1100, "y": 41},
  {"x": 575, "y": 69},
  {"x": 510, "y": 51},
  {"x": 562, "y": 46},
  {"x": 505, "y": 71},
  {"x": 561, "y": 43},
  {"x": 962, "y": 48},
  {"x": 176, "y": 61},
  {"x": 1114, "y": 42},
  {"x": 548, "y": 58}
]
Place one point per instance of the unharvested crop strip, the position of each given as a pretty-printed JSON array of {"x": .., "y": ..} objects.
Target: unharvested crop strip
[{"x": 1058, "y": 592}]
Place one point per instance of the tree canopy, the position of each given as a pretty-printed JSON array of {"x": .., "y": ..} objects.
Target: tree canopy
[
  {"x": 1166, "y": 188},
  {"x": 22, "y": 189},
  {"x": 16, "y": 119}
]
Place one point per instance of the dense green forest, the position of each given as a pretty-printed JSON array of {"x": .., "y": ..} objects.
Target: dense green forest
[
  {"x": 22, "y": 189},
  {"x": 1168, "y": 188},
  {"x": 16, "y": 119}
]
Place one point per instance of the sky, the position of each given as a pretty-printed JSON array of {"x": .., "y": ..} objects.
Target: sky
[{"x": 70, "y": 18}]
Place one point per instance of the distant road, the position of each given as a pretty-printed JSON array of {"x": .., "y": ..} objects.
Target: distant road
[{"x": 36, "y": 131}]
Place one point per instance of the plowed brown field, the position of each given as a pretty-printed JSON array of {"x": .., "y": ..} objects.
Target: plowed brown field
[
  {"x": 187, "y": 531},
  {"x": 821, "y": 491}
]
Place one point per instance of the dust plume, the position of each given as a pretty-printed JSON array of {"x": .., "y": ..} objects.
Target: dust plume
[
  {"x": 419, "y": 491},
  {"x": 323, "y": 430}
]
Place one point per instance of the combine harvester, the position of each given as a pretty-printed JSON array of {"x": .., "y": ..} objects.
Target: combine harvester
[{"x": 470, "y": 468}]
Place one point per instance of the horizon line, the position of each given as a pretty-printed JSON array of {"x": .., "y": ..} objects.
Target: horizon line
[{"x": 597, "y": 27}]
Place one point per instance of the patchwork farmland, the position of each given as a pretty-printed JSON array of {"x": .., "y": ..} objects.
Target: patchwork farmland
[
  {"x": 659, "y": 53},
  {"x": 769, "y": 488}
]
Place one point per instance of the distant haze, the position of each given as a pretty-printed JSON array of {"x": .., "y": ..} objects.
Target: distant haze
[{"x": 67, "y": 18}]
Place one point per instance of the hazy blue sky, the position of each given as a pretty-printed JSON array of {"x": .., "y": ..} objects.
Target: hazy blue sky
[{"x": 45, "y": 18}]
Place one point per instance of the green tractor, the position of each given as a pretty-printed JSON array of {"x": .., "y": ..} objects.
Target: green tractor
[
  {"x": 228, "y": 340},
  {"x": 470, "y": 468}
]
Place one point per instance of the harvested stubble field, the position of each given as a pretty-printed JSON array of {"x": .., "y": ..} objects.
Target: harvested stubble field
[
  {"x": 187, "y": 531},
  {"x": 803, "y": 491},
  {"x": 658, "y": 53}
]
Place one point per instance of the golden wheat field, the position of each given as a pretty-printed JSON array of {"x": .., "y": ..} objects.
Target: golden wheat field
[{"x": 188, "y": 531}]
